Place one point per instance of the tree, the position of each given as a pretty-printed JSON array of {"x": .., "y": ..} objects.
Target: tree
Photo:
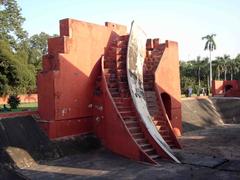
[
  {"x": 237, "y": 67},
  {"x": 210, "y": 45},
  {"x": 200, "y": 65},
  {"x": 11, "y": 22},
  {"x": 225, "y": 64},
  {"x": 15, "y": 77},
  {"x": 38, "y": 47}
]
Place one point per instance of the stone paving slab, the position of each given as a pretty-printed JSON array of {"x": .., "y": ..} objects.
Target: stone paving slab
[
  {"x": 103, "y": 164},
  {"x": 233, "y": 165},
  {"x": 200, "y": 159}
]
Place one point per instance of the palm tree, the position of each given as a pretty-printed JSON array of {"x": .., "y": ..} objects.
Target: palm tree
[
  {"x": 225, "y": 62},
  {"x": 200, "y": 65},
  {"x": 210, "y": 45},
  {"x": 237, "y": 67}
]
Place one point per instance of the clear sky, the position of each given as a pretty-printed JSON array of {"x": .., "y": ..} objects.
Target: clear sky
[{"x": 184, "y": 21}]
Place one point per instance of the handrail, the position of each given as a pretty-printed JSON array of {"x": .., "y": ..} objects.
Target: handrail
[{"x": 118, "y": 114}]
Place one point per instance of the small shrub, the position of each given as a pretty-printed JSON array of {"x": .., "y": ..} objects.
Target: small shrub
[{"x": 13, "y": 101}]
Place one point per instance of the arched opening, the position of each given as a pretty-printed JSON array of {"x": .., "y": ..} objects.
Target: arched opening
[
  {"x": 227, "y": 87},
  {"x": 167, "y": 104}
]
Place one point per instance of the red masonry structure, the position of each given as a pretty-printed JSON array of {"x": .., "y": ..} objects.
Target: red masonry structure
[
  {"x": 83, "y": 88},
  {"x": 227, "y": 88}
]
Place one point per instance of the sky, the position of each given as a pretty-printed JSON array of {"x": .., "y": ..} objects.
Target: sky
[{"x": 184, "y": 21}]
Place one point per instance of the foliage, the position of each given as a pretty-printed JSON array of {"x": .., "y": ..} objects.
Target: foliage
[
  {"x": 38, "y": 47},
  {"x": 11, "y": 22},
  {"x": 15, "y": 77},
  {"x": 210, "y": 43},
  {"x": 13, "y": 101},
  {"x": 195, "y": 73},
  {"x": 20, "y": 56}
]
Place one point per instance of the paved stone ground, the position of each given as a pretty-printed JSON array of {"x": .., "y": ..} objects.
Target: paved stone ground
[
  {"x": 208, "y": 153},
  {"x": 211, "y": 153},
  {"x": 221, "y": 141}
]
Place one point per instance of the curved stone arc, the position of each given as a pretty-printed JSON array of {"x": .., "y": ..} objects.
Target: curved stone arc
[{"x": 136, "y": 52}]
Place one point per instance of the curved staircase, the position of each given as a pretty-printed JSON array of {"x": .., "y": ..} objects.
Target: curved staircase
[
  {"x": 120, "y": 112},
  {"x": 154, "y": 101}
]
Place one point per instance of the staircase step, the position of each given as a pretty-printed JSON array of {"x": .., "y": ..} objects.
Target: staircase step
[
  {"x": 123, "y": 84},
  {"x": 122, "y": 71},
  {"x": 153, "y": 112},
  {"x": 107, "y": 75},
  {"x": 122, "y": 79},
  {"x": 141, "y": 140},
  {"x": 163, "y": 132},
  {"x": 150, "y": 151},
  {"x": 120, "y": 44},
  {"x": 153, "y": 108},
  {"x": 154, "y": 156},
  {"x": 160, "y": 119},
  {"x": 125, "y": 94},
  {"x": 122, "y": 101},
  {"x": 148, "y": 75},
  {"x": 124, "y": 90},
  {"x": 130, "y": 118},
  {"x": 120, "y": 57},
  {"x": 134, "y": 129},
  {"x": 123, "y": 38},
  {"x": 166, "y": 137},
  {"x": 114, "y": 89},
  {"x": 117, "y": 50},
  {"x": 121, "y": 65},
  {"x": 148, "y": 88},
  {"x": 123, "y": 108},
  {"x": 152, "y": 105},
  {"x": 109, "y": 64},
  {"x": 145, "y": 146},
  {"x": 160, "y": 127},
  {"x": 138, "y": 135},
  {"x": 131, "y": 123},
  {"x": 115, "y": 94},
  {"x": 127, "y": 113}
]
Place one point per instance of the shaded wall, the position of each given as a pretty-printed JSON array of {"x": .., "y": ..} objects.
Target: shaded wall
[{"x": 66, "y": 83}]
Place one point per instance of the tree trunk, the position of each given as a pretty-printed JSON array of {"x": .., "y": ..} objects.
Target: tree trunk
[
  {"x": 210, "y": 76},
  {"x": 199, "y": 82}
]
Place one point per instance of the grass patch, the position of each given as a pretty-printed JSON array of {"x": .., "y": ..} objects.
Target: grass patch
[{"x": 22, "y": 107}]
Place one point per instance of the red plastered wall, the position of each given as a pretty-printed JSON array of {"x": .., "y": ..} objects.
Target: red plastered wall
[
  {"x": 167, "y": 78},
  {"x": 65, "y": 86}
]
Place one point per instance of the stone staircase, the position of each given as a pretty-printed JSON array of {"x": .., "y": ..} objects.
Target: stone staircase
[
  {"x": 155, "y": 108},
  {"x": 116, "y": 77}
]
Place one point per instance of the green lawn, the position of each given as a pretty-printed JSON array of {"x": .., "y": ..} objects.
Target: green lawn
[{"x": 23, "y": 107}]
